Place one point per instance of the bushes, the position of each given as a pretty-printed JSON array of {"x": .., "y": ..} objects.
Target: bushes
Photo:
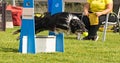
[{"x": 41, "y": 6}]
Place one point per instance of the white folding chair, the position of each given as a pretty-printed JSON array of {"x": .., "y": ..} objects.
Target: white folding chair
[{"x": 113, "y": 23}]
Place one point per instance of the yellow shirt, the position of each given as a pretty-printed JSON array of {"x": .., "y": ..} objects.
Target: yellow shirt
[{"x": 98, "y": 5}]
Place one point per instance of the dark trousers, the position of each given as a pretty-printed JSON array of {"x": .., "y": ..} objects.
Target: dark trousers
[{"x": 92, "y": 29}]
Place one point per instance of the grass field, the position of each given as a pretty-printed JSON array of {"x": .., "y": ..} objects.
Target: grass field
[{"x": 76, "y": 51}]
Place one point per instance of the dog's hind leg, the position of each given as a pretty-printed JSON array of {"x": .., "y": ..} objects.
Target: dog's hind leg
[{"x": 17, "y": 31}]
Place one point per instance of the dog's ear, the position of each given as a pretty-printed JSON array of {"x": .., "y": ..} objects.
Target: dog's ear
[
  {"x": 74, "y": 25},
  {"x": 77, "y": 25},
  {"x": 73, "y": 22},
  {"x": 82, "y": 26}
]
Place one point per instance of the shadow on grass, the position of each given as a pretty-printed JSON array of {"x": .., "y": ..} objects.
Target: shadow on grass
[
  {"x": 9, "y": 50},
  {"x": 71, "y": 38}
]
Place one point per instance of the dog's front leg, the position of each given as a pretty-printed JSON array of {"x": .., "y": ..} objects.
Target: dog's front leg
[{"x": 79, "y": 36}]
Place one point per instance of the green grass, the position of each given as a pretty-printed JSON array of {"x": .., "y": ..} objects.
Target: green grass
[{"x": 76, "y": 51}]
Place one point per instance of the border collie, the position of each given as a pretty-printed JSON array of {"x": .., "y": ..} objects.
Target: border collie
[{"x": 59, "y": 22}]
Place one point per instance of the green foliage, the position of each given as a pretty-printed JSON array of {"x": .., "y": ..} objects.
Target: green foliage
[
  {"x": 41, "y": 6},
  {"x": 76, "y": 51}
]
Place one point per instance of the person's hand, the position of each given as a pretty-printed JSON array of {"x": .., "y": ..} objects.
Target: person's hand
[
  {"x": 86, "y": 13},
  {"x": 98, "y": 13}
]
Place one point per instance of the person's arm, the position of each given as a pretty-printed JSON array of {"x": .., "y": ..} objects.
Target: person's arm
[
  {"x": 86, "y": 9},
  {"x": 108, "y": 9}
]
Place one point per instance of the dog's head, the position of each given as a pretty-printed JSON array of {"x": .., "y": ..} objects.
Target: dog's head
[{"x": 77, "y": 26}]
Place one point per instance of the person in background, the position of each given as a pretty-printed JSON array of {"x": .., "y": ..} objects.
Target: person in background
[{"x": 93, "y": 11}]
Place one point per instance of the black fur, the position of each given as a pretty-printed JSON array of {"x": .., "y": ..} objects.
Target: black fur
[{"x": 64, "y": 21}]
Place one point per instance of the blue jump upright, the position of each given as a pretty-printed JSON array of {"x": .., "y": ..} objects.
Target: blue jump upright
[
  {"x": 27, "y": 35},
  {"x": 56, "y": 6}
]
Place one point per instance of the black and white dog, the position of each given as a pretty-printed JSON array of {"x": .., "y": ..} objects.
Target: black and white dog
[{"x": 58, "y": 22}]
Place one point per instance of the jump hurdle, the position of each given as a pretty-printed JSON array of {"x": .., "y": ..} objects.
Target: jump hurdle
[{"x": 29, "y": 43}]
